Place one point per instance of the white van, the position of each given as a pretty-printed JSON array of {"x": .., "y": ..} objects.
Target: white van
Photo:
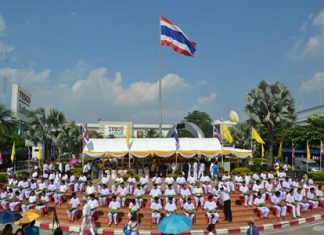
[{"x": 301, "y": 164}]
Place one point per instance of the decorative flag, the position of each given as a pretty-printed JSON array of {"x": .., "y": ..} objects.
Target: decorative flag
[
  {"x": 262, "y": 151},
  {"x": 308, "y": 154},
  {"x": 256, "y": 136},
  {"x": 85, "y": 134},
  {"x": 216, "y": 134},
  {"x": 173, "y": 36},
  {"x": 127, "y": 136},
  {"x": 40, "y": 153},
  {"x": 1, "y": 159},
  {"x": 322, "y": 149},
  {"x": 279, "y": 150},
  {"x": 13, "y": 152},
  {"x": 227, "y": 133},
  {"x": 293, "y": 150},
  {"x": 176, "y": 137}
]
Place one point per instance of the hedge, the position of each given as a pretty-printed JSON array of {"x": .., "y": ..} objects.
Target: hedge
[
  {"x": 3, "y": 177},
  {"x": 316, "y": 176},
  {"x": 240, "y": 171}
]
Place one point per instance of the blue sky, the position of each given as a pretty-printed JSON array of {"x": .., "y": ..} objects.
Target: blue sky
[{"x": 100, "y": 59}]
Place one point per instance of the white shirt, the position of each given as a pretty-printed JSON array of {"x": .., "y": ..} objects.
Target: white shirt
[
  {"x": 181, "y": 180},
  {"x": 210, "y": 205},
  {"x": 32, "y": 199},
  {"x": 197, "y": 191},
  {"x": 268, "y": 186},
  {"x": 255, "y": 176},
  {"x": 191, "y": 180},
  {"x": 188, "y": 206},
  {"x": 138, "y": 192},
  {"x": 319, "y": 193},
  {"x": 238, "y": 179},
  {"x": 156, "y": 206},
  {"x": 114, "y": 205},
  {"x": 270, "y": 176},
  {"x": 104, "y": 191},
  {"x": 63, "y": 188},
  {"x": 256, "y": 188},
  {"x": 290, "y": 198},
  {"x": 169, "y": 180},
  {"x": 310, "y": 195},
  {"x": 86, "y": 211},
  {"x": 157, "y": 180},
  {"x": 258, "y": 201},
  {"x": 275, "y": 200},
  {"x": 298, "y": 197},
  {"x": 169, "y": 192},
  {"x": 170, "y": 207},
  {"x": 122, "y": 191},
  {"x": 155, "y": 192},
  {"x": 74, "y": 202},
  {"x": 184, "y": 193},
  {"x": 225, "y": 195},
  {"x": 244, "y": 189},
  {"x": 90, "y": 190},
  {"x": 104, "y": 180},
  {"x": 93, "y": 204}
]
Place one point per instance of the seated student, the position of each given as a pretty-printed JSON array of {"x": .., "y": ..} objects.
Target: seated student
[
  {"x": 268, "y": 186},
  {"x": 286, "y": 185},
  {"x": 311, "y": 198},
  {"x": 238, "y": 181},
  {"x": 139, "y": 194},
  {"x": 155, "y": 192},
  {"x": 144, "y": 182},
  {"x": 170, "y": 206},
  {"x": 270, "y": 175},
  {"x": 103, "y": 195},
  {"x": 93, "y": 204},
  {"x": 245, "y": 192},
  {"x": 298, "y": 196},
  {"x": 74, "y": 207},
  {"x": 43, "y": 201},
  {"x": 131, "y": 181},
  {"x": 227, "y": 179},
  {"x": 60, "y": 193},
  {"x": 90, "y": 189},
  {"x": 189, "y": 209},
  {"x": 16, "y": 200},
  {"x": 3, "y": 197},
  {"x": 184, "y": 194},
  {"x": 122, "y": 193},
  {"x": 259, "y": 202},
  {"x": 210, "y": 207},
  {"x": 30, "y": 202},
  {"x": 114, "y": 205},
  {"x": 181, "y": 180},
  {"x": 169, "y": 180},
  {"x": 258, "y": 188},
  {"x": 295, "y": 183},
  {"x": 81, "y": 182},
  {"x": 157, "y": 180},
  {"x": 51, "y": 188},
  {"x": 248, "y": 180},
  {"x": 205, "y": 180},
  {"x": 133, "y": 209},
  {"x": 278, "y": 205},
  {"x": 156, "y": 210},
  {"x": 295, "y": 206},
  {"x": 319, "y": 193},
  {"x": 170, "y": 193},
  {"x": 198, "y": 195}
]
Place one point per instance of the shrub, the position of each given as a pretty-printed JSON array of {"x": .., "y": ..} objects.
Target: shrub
[
  {"x": 240, "y": 171},
  {"x": 3, "y": 177},
  {"x": 77, "y": 171},
  {"x": 316, "y": 176}
]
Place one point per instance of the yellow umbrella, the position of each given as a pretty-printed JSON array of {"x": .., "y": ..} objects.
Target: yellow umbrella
[{"x": 27, "y": 217}]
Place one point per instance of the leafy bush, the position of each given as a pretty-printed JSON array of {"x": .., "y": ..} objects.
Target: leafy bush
[
  {"x": 77, "y": 171},
  {"x": 316, "y": 176},
  {"x": 240, "y": 171},
  {"x": 3, "y": 177}
]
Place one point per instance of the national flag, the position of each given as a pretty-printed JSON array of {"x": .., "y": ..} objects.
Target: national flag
[
  {"x": 40, "y": 153},
  {"x": 176, "y": 137},
  {"x": 216, "y": 134},
  {"x": 256, "y": 136},
  {"x": 127, "y": 136},
  {"x": 85, "y": 134},
  {"x": 13, "y": 152},
  {"x": 308, "y": 154},
  {"x": 322, "y": 149},
  {"x": 226, "y": 133},
  {"x": 173, "y": 36},
  {"x": 279, "y": 150},
  {"x": 1, "y": 159}
]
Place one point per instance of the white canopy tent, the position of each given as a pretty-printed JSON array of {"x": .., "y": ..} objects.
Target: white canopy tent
[{"x": 161, "y": 147}]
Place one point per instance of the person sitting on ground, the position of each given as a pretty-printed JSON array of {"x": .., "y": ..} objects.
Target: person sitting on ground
[
  {"x": 170, "y": 206},
  {"x": 131, "y": 181},
  {"x": 114, "y": 205},
  {"x": 205, "y": 180},
  {"x": 170, "y": 193},
  {"x": 261, "y": 206},
  {"x": 245, "y": 192},
  {"x": 169, "y": 180},
  {"x": 103, "y": 195},
  {"x": 30, "y": 202},
  {"x": 189, "y": 209},
  {"x": 121, "y": 194},
  {"x": 139, "y": 194},
  {"x": 198, "y": 195},
  {"x": 60, "y": 193},
  {"x": 156, "y": 210},
  {"x": 74, "y": 207},
  {"x": 155, "y": 192},
  {"x": 184, "y": 194},
  {"x": 181, "y": 180}
]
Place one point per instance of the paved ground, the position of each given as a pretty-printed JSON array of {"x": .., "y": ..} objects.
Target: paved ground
[{"x": 315, "y": 228}]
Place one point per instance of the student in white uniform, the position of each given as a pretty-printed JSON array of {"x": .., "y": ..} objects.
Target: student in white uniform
[
  {"x": 195, "y": 169},
  {"x": 312, "y": 199},
  {"x": 319, "y": 193},
  {"x": 133, "y": 209},
  {"x": 86, "y": 221},
  {"x": 170, "y": 193},
  {"x": 93, "y": 204},
  {"x": 61, "y": 193},
  {"x": 131, "y": 181},
  {"x": 139, "y": 194},
  {"x": 189, "y": 209},
  {"x": 201, "y": 169},
  {"x": 42, "y": 203},
  {"x": 260, "y": 204},
  {"x": 198, "y": 195},
  {"x": 205, "y": 180},
  {"x": 245, "y": 192},
  {"x": 74, "y": 207},
  {"x": 114, "y": 205},
  {"x": 295, "y": 207},
  {"x": 169, "y": 180},
  {"x": 184, "y": 194},
  {"x": 31, "y": 202},
  {"x": 170, "y": 207},
  {"x": 278, "y": 205},
  {"x": 210, "y": 207},
  {"x": 156, "y": 210},
  {"x": 155, "y": 192},
  {"x": 157, "y": 180},
  {"x": 103, "y": 195},
  {"x": 298, "y": 196},
  {"x": 181, "y": 180},
  {"x": 122, "y": 193}
]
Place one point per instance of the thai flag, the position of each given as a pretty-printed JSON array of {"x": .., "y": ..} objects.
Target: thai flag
[
  {"x": 85, "y": 134},
  {"x": 172, "y": 35},
  {"x": 1, "y": 159},
  {"x": 216, "y": 134},
  {"x": 176, "y": 137},
  {"x": 322, "y": 149}
]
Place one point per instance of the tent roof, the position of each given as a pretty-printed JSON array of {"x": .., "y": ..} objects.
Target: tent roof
[{"x": 162, "y": 147}]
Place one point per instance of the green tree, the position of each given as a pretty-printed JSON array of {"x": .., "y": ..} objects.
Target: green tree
[
  {"x": 95, "y": 135},
  {"x": 201, "y": 119},
  {"x": 270, "y": 106},
  {"x": 151, "y": 133},
  {"x": 69, "y": 138},
  {"x": 7, "y": 124},
  {"x": 241, "y": 133}
]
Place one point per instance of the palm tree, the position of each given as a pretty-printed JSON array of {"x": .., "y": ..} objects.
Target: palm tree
[
  {"x": 6, "y": 123},
  {"x": 270, "y": 105},
  {"x": 242, "y": 135},
  {"x": 69, "y": 138}
]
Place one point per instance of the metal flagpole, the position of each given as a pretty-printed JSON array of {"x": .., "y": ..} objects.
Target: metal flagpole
[
  {"x": 321, "y": 156},
  {"x": 160, "y": 81}
]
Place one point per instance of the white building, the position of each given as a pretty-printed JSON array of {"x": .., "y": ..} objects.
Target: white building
[{"x": 306, "y": 113}]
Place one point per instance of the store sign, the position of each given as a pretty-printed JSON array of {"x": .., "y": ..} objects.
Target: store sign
[
  {"x": 20, "y": 102},
  {"x": 115, "y": 130}
]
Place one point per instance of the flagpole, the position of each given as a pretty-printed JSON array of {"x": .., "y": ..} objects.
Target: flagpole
[
  {"x": 321, "y": 156},
  {"x": 160, "y": 80}
]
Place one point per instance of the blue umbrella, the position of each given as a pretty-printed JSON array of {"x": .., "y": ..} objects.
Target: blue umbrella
[
  {"x": 7, "y": 216},
  {"x": 175, "y": 224}
]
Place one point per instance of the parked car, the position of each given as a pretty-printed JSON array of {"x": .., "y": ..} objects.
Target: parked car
[{"x": 301, "y": 164}]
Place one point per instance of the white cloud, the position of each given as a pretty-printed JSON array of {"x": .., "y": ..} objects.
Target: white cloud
[
  {"x": 313, "y": 84},
  {"x": 5, "y": 48},
  {"x": 3, "y": 25},
  {"x": 311, "y": 41}
]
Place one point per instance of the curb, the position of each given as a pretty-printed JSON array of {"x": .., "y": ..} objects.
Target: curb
[{"x": 264, "y": 227}]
